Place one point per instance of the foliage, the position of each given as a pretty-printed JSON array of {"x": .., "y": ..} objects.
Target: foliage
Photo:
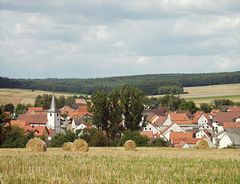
[
  {"x": 132, "y": 100},
  {"x": 170, "y": 89},
  {"x": 14, "y": 137},
  {"x": 133, "y": 135},
  {"x": 171, "y": 102},
  {"x": 222, "y": 102},
  {"x": 45, "y": 101},
  {"x": 188, "y": 106},
  {"x": 147, "y": 83},
  {"x": 205, "y": 107},
  {"x": 94, "y": 137},
  {"x": 8, "y": 108},
  {"x": 61, "y": 138},
  {"x": 160, "y": 142},
  {"x": 21, "y": 108}
]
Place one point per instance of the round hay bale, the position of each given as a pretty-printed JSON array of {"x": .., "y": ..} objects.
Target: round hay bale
[
  {"x": 67, "y": 146},
  {"x": 36, "y": 145},
  {"x": 202, "y": 144},
  {"x": 79, "y": 145},
  {"x": 130, "y": 145}
]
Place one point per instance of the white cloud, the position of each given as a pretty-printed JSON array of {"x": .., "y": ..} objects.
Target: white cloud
[{"x": 103, "y": 38}]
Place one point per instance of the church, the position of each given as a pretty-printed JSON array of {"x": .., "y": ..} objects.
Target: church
[{"x": 39, "y": 120}]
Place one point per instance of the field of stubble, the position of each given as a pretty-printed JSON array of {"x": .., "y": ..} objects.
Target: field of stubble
[{"x": 114, "y": 165}]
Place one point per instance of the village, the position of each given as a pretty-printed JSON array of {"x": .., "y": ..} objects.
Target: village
[{"x": 220, "y": 128}]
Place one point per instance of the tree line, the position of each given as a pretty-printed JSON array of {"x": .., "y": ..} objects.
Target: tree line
[{"x": 150, "y": 84}]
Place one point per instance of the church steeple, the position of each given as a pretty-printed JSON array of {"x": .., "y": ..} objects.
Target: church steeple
[
  {"x": 53, "y": 107},
  {"x": 54, "y": 116}
]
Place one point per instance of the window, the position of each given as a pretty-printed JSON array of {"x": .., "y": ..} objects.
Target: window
[
  {"x": 149, "y": 128},
  {"x": 57, "y": 114},
  {"x": 50, "y": 114},
  {"x": 145, "y": 128}
]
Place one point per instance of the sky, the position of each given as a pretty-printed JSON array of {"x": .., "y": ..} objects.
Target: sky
[{"x": 101, "y": 38}]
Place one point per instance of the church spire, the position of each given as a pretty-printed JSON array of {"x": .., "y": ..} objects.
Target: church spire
[{"x": 53, "y": 107}]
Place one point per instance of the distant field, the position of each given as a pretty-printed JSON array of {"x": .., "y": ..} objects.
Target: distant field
[
  {"x": 114, "y": 165},
  {"x": 25, "y": 96},
  {"x": 206, "y": 94}
]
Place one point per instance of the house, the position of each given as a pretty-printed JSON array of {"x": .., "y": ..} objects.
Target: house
[
  {"x": 183, "y": 139},
  {"x": 201, "y": 118},
  {"x": 231, "y": 137},
  {"x": 204, "y": 134},
  {"x": 183, "y": 119},
  {"x": 78, "y": 123},
  {"x": 221, "y": 117}
]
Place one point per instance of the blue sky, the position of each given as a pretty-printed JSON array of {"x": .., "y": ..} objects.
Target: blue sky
[{"x": 100, "y": 38}]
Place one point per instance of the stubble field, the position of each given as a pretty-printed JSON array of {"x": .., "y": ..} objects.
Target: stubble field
[{"x": 114, "y": 165}]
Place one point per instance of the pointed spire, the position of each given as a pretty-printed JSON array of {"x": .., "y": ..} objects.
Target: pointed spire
[{"x": 53, "y": 107}]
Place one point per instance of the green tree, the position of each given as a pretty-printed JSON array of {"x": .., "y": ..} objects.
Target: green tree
[
  {"x": 21, "y": 108},
  {"x": 115, "y": 115},
  {"x": 100, "y": 110},
  {"x": 8, "y": 108},
  {"x": 132, "y": 100},
  {"x": 94, "y": 137},
  {"x": 205, "y": 107},
  {"x": 188, "y": 106},
  {"x": 14, "y": 137}
]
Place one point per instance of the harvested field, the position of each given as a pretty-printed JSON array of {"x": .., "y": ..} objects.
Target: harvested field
[
  {"x": 114, "y": 165},
  {"x": 24, "y": 96}
]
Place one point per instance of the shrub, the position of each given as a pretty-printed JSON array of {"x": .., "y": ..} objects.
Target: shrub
[
  {"x": 94, "y": 137},
  {"x": 132, "y": 135},
  {"x": 61, "y": 138},
  {"x": 160, "y": 142}
]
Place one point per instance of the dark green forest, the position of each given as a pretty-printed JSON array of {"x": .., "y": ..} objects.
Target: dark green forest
[{"x": 151, "y": 84}]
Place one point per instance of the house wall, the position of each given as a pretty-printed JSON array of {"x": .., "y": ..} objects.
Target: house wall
[
  {"x": 202, "y": 120},
  {"x": 150, "y": 127},
  {"x": 225, "y": 141}
]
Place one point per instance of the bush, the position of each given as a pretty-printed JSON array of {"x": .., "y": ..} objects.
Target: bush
[
  {"x": 14, "y": 137},
  {"x": 160, "y": 142},
  {"x": 94, "y": 137},
  {"x": 61, "y": 138},
  {"x": 132, "y": 135}
]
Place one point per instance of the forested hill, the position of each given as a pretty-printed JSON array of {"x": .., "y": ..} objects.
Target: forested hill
[{"x": 148, "y": 83}]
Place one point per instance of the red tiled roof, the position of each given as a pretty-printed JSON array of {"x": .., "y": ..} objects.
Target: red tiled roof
[
  {"x": 231, "y": 125},
  {"x": 183, "y": 116},
  {"x": 181, "y": 135},
  {"x": 160, "y": 120},
  {"x": 187, "y": 122},
  {"x": 198, "y": 114},
  {"x": 38, "y": 130},
  {"x": 221, "y": 117},
  {"x": 187, "y": 140},
  {"x": 234, "y": 108},
  {"x": 39, "y": 118}
]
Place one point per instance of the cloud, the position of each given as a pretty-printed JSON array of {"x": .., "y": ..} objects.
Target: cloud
[{"x": 103, "y": 38}]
